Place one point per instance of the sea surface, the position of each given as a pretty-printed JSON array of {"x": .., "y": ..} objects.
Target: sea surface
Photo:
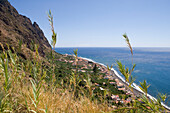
[{"x": 152, "y": 64}]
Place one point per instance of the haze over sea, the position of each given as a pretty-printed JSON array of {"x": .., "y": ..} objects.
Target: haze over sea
[{"x": 153, "y": 64}]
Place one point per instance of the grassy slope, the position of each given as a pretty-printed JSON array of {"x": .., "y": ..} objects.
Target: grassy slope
[
  {"x": 36, "y": 86},
  {"x": 28, "y": 86}
]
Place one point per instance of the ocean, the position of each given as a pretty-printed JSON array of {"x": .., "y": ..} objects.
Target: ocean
[{"x": 152, "y": 64}]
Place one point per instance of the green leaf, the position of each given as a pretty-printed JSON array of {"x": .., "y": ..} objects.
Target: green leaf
[{"x": 33, "y": 102}]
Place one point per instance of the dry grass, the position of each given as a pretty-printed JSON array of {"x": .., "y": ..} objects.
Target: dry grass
[
  {"x": 24, "y": 95},
  {"x": 56, "y": 101}
]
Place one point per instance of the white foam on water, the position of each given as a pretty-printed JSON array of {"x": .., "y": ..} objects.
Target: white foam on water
[
  {"x": 120, "y": 77},
  {"x": 116, "y": 73},
  {"x": 88, "y": 59},
  {"x": 137, "y": 88},
  {"x": 133, "y": 85}
]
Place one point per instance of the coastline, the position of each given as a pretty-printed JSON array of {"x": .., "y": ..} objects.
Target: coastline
[
  {"x": 114, "y": 74},
  {"x": 137, "y": 91}
]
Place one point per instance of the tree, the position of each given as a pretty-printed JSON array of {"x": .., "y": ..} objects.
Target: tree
[{"x": 95, "y": 69}]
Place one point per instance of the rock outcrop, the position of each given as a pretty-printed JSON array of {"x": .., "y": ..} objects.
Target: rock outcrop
[{"x": 15, "y": 27}]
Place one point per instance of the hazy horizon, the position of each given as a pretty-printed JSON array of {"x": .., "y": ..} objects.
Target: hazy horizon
[
  {"x": 98, "y": 23},
  {"x": 109, "y": 47},
  {"x": 146, "y": 49}
]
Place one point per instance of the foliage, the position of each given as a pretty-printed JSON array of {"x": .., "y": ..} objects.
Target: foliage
[
  {"x": 20, "y": 45},
  {"x": 143, "y": 104},
  {"x": 50, "y": 84},
  {"x": 109, "y": 68},
  {"x": 144, "y": 87},
  {"x": 95, "y": 70},
  {"x": 54, "y": 35}
]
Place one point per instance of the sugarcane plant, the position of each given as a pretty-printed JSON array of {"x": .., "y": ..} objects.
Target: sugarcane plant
[
  {"x": 125, "y": 71},
  {"x": 144, "y": 87},
  {"x": 54, "y": 34},
  {"x": 76, "y": 58},
  {"x": 89, "y": 86},
  {"x": 144, "y": 103},
  {"x": 53, "y": 43}
]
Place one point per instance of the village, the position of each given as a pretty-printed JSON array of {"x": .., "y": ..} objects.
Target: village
[{"x": 86, "y": 66}]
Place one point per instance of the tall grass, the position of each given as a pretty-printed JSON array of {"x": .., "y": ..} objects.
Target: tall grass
[
  {"x": 144, "y": 103},
  {"x": 34, "y": 87},
  {"x": 33, "y": 94}
]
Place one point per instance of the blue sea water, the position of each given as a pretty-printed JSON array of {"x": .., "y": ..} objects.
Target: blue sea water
[{"x": 152, "y": 64}]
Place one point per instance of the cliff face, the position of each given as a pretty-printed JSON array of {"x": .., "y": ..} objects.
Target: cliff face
[{"x": 15, "y": 27}]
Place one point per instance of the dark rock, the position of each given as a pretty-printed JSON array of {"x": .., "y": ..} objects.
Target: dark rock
[{"x": 15, "y": 27}]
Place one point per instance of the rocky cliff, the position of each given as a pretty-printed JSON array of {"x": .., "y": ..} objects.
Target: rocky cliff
[{"x": 15, "y": 27}]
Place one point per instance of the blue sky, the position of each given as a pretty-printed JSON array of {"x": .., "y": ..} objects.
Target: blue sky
[{"x": 101, "y": 23}]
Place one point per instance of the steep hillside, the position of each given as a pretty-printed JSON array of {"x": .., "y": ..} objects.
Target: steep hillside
[{"x": 15, "y": 27}]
